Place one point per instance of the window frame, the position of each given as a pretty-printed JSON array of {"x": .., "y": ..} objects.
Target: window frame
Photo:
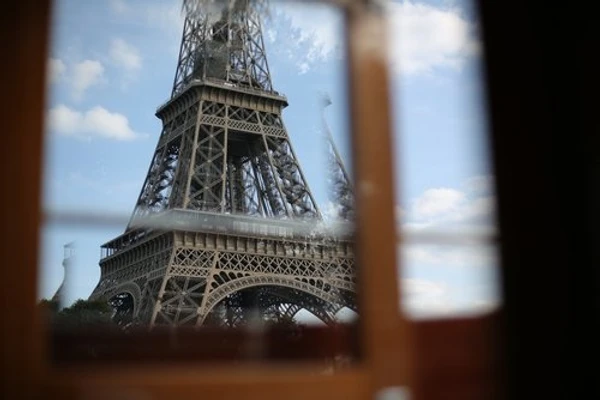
[{"x": 387, "y": 337}]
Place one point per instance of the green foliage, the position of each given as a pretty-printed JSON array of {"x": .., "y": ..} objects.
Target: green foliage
[
  {"x": 49, "y": 306},
  {"x": 81, "y": 314}
]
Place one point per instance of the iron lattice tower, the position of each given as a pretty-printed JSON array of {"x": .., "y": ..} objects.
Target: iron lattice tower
[
  {"x": 341, "y": 192},
  {"x": 225, "y": 221}
]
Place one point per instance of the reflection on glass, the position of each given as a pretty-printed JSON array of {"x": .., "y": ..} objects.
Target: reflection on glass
[{"x": 234, "y": 225}]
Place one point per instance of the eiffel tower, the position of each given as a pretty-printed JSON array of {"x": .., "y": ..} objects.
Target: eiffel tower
[{"x": 225, "y": 225}]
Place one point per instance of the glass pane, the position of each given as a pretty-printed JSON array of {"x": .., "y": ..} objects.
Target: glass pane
[
  {"x": 449, "y": 280},
  {"x": 445, "y": 184},
  {"x": 226, "y": 212}
]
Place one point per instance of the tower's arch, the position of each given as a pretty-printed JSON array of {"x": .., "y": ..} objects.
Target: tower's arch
[{"x": 285, "y": 298}]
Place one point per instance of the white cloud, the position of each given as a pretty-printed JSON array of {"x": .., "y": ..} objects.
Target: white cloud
[
  {"x": 473, "y": 205},
  {"x": 477, "y": 255},
  {"x": 309, "y": 19},
  {"x": 303, "y": 34},
  {"x": 164, "y": 18},
  {"x": 417, "y": 287},
  {"x": 424, "y": 298},
  {"x": 303, "y": 68},
  {"x": 125, "y": 55},
  {"x": 436, "y": 202},
  {"x": 425, "y": 37},
  {"x": 422, "y": 37},
  {"x": 478, "y": 210},
  {"x": 330, "y": 211},
  {"x": 56, "y": 70},
  {"x": 85, "y": 75},
  {"x": 96, "y": 122}
]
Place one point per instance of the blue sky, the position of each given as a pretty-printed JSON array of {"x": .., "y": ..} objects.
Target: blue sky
[{"x": 112, "y": 64}]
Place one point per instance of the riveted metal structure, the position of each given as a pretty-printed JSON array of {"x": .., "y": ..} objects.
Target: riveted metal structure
[
  {"x": 341, "y": 192},
  {"x": 225, "y": 225}
]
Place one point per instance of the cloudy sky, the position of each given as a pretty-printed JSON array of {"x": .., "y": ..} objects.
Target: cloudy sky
[{"x": 112, "y": 64}]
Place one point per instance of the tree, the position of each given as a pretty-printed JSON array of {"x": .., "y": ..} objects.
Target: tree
[{"x": 81, "y": 314}]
